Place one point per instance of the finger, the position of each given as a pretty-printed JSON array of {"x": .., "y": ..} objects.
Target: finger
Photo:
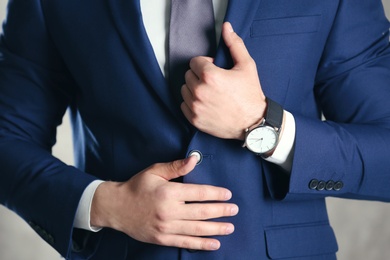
[
  {"x": 207, "y": 211},
  {"x": 187, "y": 96},
  {"x": 187, "y": 89},
  {"x": 189, "y": 242},
  {"x": 235, "y": 44},
  {"x": 191, "y": 79},
  {"x": 201, "y": 64},
  {"x": 187, "y": 111},
  {"x": 200, "y": 211},
  {"x": 175, "y": 169},
  {"x": 196, "y": 192},
  {"x": 209, "y": 59},
  {"x": 199, "y": 228}
]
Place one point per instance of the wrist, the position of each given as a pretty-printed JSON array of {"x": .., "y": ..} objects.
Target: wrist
[
  {"x": 255, "y": 118},
  {"x": 103, "y": 205}
]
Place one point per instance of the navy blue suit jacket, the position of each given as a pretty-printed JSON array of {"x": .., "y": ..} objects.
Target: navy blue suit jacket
[{"x": 313, "y": 57}]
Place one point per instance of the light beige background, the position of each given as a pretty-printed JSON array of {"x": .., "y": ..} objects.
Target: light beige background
[{"x": 362, "y": 228}]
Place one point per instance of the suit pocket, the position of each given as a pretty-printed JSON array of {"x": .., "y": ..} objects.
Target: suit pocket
[
  {"x": 300, "y": 241},
  {"x": 285, "y": 26}
]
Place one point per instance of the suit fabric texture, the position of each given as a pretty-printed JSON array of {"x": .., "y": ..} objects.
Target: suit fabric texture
[{"x": 94, "y": 56}]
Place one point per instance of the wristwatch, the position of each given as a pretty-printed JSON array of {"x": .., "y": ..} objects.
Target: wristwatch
[{"x": 262, "y": 138}]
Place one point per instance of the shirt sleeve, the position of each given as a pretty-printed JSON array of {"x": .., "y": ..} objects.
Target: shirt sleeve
[
  {"x": 83, "y": 214},
  {"x": 284, "y": 152}
]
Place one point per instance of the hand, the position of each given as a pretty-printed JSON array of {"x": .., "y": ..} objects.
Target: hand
[
  {"x": 152, "y": 209},
  {"x": 222, "y": 102}
]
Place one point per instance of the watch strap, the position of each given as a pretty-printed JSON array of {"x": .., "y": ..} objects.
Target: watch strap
[{"x": 274, "y": 114}]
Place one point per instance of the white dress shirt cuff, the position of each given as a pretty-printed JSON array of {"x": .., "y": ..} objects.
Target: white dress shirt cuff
[
  {"x": 283, "y": 153},
  {"x": 83, "y": 214}
]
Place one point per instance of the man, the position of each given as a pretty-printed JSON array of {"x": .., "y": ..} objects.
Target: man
[{"x": 101, "y": 59}]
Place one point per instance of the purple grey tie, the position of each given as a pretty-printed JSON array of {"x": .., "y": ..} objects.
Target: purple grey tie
[{"x": 191, "y": 33}]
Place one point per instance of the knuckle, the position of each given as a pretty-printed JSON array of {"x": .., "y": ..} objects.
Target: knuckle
[
  {"x": 251, "y": 61},
  {"x": 183, "y": 89},
  {"x": 162, "y": 215},
  {"x": 203, "y": 213},
  {"x": 208, "y": 76},
  {"x": 193, "y": 61},
  {"x": 202, "y": 193},
  {"x": 163, "y": 193},
  {"x": 162, "y": 228},
  {"x": 175, "y": 167},
  {"x": 155, "y": 167},
  {"x": 237, "y": 40},
  {"x": 157, "y": 239},
  {"x": 203, "y": 244},
  {"x": 187, "y": 74},
  {"x": 198, "y": 94},
  {"x": 185, "y": 244},
  {"x": 196, "y": 107},
  {"x": 198, "y": 230}
]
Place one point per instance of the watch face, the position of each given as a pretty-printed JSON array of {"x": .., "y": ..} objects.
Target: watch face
[{"x": 262, "y": 139}]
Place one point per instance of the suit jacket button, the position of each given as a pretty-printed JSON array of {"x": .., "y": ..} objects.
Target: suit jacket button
[
  {"x": 313, "y": 184},
  {"x": 321, "y": 185},
  {"x": 197, "y": 154},
  {"x": 338, "y": 185},
  {"x": 329, "y": 185}
]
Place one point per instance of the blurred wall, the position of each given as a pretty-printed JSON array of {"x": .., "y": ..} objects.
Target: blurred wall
[{"x": 362, "y": 228}]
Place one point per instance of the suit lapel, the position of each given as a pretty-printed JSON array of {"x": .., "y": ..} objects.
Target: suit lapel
[
  {"x": 128, "y": 20},
  {"x": 240, "y": 14}
]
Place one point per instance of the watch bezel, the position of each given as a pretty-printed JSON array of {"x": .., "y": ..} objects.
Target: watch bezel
[
  {"x": 273, "y": 119},
  {"x": 251, "y": 132}
]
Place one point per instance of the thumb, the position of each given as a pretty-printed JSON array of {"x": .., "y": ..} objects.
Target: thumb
[
  {"x": 176, "y": 169},
  {"x": 235, "y": 44}
]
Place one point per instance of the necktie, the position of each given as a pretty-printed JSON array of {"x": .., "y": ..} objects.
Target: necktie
[{"x": 191, "y": 33}]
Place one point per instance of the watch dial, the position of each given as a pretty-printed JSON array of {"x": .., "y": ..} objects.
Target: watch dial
[{"x": 262, "y": 139}]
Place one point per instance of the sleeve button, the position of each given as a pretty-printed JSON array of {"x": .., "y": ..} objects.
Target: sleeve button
[
  {"x": 338, "y": 185},
  {"x": 321, "y": 185},
  {"x": 329, "y": 185},
  {"x": 313, "y": 184}
]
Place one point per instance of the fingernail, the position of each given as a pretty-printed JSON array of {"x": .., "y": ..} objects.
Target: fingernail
[
  {"x": 234, "y": 210},
  {"x": 214, "y": 246},
  {"x": 230, "y": 28},
  {"x": 228, "y": 195},
  {"x": 229, "y": 230}
]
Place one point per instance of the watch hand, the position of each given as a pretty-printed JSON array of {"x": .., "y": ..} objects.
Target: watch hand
[{"x": 261, "y": 139}]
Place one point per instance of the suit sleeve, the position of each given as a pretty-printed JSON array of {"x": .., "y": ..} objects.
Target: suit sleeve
[
  {"x": 347, "y": 155},
  {"x": 35, "y": 90}
]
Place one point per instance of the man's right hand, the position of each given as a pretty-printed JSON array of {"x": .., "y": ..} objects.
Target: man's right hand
[{"x": 152, "y": 209}]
